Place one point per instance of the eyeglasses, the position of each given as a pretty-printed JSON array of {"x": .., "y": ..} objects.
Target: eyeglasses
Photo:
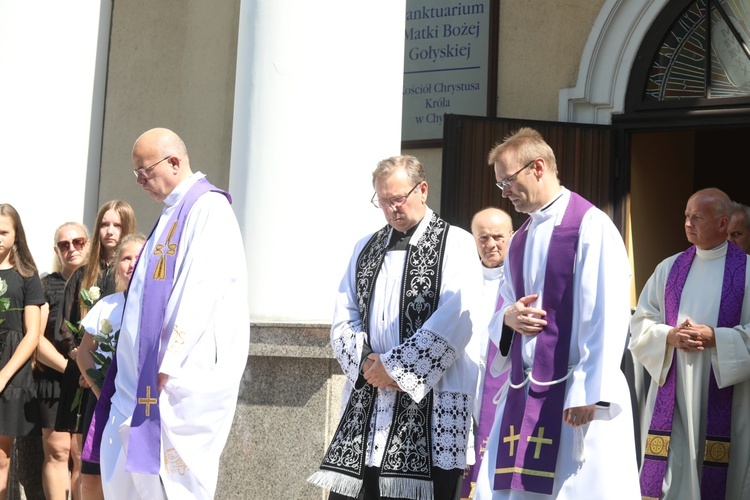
[
  {"x": 508, "y": 180},
  {"x": 146, "y": 171},
  {"x": 77, "y": 243},
  {"x": 393, "y": 202}
]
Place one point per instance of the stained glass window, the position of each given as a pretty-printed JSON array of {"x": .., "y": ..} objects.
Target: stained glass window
[{"x": 704, "y": 55}]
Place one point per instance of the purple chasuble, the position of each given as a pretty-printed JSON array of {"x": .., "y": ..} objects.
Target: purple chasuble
[
  {"x": 144, "y": 445},
  {"x": 531, "y": 425},
  {"x": 490, "y": 388},
  {"x": 719, "y": 409}
]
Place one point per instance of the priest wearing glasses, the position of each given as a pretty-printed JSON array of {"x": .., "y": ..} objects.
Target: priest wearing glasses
[
  {"x": 564, "y": 425},
  {"x": 691, "y": 331},
  {"x": 401, "y": 324},
  {"x": 170, "y": 395}
]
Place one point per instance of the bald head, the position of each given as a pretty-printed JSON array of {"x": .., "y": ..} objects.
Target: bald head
[
  {"x": 707, "y": 218},
  {"x": 161, "y": 161},
  {"x": 492, "y": 229}
]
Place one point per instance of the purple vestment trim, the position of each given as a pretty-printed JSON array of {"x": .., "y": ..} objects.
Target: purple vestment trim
[
  {"x": 144, "y": 445},
  {"x": 719, "y": 410},
  {"x": 490, "y": 388},
  {"x": 531, "y": 425}
]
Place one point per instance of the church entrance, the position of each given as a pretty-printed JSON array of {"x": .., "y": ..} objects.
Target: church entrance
[
  {"x": 666, "y": 167},
  {"x": 683, "y": 125},
  {"x": 686, "y": 119}
]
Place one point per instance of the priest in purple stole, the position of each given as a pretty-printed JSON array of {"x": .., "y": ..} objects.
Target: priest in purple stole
[
  {"x": 564, "y": 425},
  {"x": 691, "y": 331},
  {"x": 170, "y": 395},
  {"x": 492, "y": 229}
]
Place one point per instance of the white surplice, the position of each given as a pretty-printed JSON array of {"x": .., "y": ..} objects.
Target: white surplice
[
  {"x": 447, "y": 332},
  {"x": 730, "y": 359},
  {"x": 480, "y": 339},
  {"x": 601, "y": 311},
  {"x": 203, "y": 350}
]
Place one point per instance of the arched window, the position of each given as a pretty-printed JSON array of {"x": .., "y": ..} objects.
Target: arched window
[{"x": 702, "y": 54}]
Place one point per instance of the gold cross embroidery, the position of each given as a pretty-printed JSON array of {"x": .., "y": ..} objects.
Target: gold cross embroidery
[
  {"x": 512, "y": 438},
  {"x": 161, "y": 267},
  {"x": 148, "y": 400},
  {"x": 539, "y": 440}
]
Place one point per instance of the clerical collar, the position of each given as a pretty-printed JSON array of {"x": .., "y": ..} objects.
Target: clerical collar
[
  {"x": 713, "y": 253},
  {"x": 182, "y": 188},
  {"x": 545, "y": 207},
  {"x": 492, "y": 273},
  {"x": 399, "y": 240}
]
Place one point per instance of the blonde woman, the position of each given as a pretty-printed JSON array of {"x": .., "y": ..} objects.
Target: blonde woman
[{"x": 71, "y": 249}]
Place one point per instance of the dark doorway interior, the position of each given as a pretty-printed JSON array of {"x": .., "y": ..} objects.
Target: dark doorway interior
[{"x": 666, "y": 167}]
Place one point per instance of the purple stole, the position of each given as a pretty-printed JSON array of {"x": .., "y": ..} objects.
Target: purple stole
[
  {"x": 144, "y": 445},
  {"x": 532, "y": 424},
  {"x": 719, "y": 409},
  {"x": 490, "y": 388}
]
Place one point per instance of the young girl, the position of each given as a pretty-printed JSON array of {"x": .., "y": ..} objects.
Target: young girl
[
  {"x": 104, "y": 320},
  {"x": 20, "y": 329},
  {"x": 114, "y": 220}
]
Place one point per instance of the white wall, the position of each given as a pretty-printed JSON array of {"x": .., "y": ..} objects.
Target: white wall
[
  {"x": 317, "y": 105},
  {"x": 53, "y": 66}
]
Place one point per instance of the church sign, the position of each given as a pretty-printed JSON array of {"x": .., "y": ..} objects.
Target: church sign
[{"x": 446, "y": 64}]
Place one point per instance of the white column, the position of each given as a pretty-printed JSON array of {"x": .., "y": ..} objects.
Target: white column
[
  {"x": 317, "y": 105},
  {"x": 53, "y": 58}
]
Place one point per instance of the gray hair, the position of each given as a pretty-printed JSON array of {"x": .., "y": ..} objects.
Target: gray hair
[
  {"x": 739, "y": 208},
  {"x": 410, "y": 164}
]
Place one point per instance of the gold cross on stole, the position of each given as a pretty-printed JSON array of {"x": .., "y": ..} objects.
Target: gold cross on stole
[
  {"x": 539, "y": 440},
  {"x": 148, "y": 400},
  {"x": 511, "y": 438},
  {"x": 161, "y": 267}
]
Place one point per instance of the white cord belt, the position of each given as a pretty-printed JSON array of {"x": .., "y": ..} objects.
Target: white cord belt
[{"x": 529, "y": 378}]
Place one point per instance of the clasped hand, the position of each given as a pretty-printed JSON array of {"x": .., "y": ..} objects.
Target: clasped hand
[
  {"x": 689, "y": 336},
  {"x": 376, "y": 375},
  {"x": 524, "y": 319}
]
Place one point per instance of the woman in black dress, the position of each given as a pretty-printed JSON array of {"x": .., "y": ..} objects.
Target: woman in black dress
[
  {"x": 114, "y": 220},
  {"x": 71, "y": 249},
  {"x": 21, "y": 299}
]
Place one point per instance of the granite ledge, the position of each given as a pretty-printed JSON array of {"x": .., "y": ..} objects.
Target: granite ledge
[{"x": 290, "y": 340}]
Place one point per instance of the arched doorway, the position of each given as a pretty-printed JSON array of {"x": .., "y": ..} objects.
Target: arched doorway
[
  {"x": 638, "y": 145},
  {"x": 686, "y": 116}
]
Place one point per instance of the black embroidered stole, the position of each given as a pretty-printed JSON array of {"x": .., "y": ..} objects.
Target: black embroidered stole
[{"x": 408, "y": 452}]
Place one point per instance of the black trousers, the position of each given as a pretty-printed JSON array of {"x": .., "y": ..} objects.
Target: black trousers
[{"x": 444, "y": 482}]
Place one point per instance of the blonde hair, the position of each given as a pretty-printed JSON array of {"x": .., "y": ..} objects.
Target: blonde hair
[
  {"x": 95, "y": 260},
  {"x": 528, "y": 144},
  {"x": 56, "y": 264},
  {"x": 131, "y": 238}
]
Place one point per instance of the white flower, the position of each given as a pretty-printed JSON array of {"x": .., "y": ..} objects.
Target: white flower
[
  {"x": 95, "y": 293},
  {"x": 3, "y": 286},
  {"x": 105, "y": 327}
]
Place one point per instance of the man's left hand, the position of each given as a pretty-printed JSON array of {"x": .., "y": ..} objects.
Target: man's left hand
[
  {"x": 376, "y": 375},
  {"x": 578, "y": 416}
]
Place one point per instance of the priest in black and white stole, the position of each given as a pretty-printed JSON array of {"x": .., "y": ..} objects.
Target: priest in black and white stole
[{"x": 400, "y": 328}]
